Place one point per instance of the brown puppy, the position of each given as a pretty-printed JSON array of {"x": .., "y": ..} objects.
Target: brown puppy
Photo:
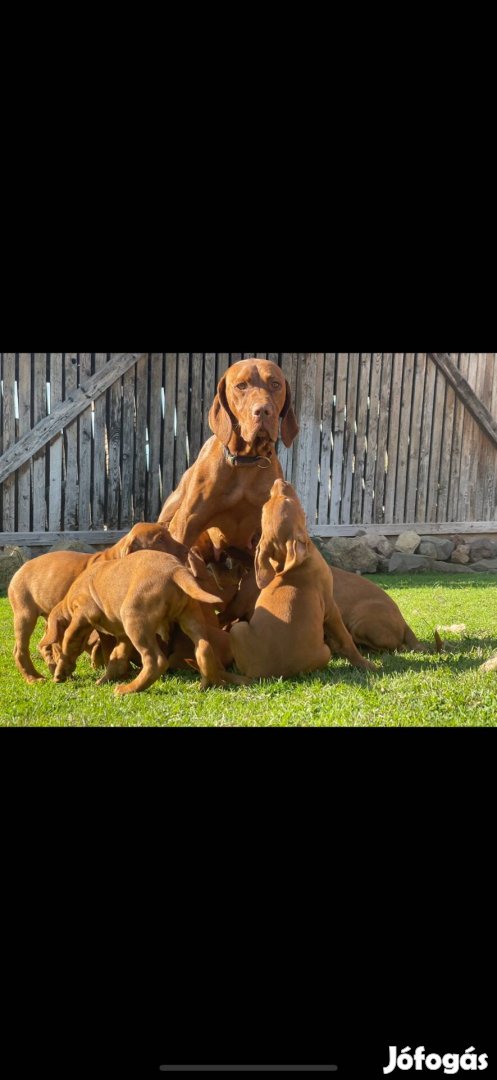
[
  {"x": 136, "y": 603},
  {"x": 42, "y": 583},
  {"x": 296, "y": 624},
  {"x": 372, "y": 617},
  {"x": 226, "y": 488}
]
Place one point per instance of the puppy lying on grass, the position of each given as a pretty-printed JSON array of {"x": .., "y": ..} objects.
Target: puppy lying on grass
[
  {"x": 296, "y": 625},
  {"x": 137, "y": 603}
]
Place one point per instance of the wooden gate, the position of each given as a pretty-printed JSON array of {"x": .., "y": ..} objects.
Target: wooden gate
[
  {"x": 63, "y": 466},
  {"x": 398, "y": 441},
  {"x": 92, "y": 442}
]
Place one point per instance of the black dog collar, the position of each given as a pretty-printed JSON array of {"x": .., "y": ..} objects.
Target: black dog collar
[{"x": 246, "y": 459}]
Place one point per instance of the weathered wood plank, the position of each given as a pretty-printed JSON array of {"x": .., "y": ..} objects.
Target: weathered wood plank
[
  {"x": 169, "y": 425},
  {"x": 182, "y": 400},
  {"x": 424, "y": 528},
  {"x": 115, "y": 438},
  {"x": 47, "y": 538},
  {"x": 223, "y": 363},
  {"x": 374, "y": 419},
  {"x": 25, "y": 423},
  {"x": 289, "y": 367},
  {"x": 128, "y": 449},
  {"x": 468, "y": 428},
  {"x": 100, "y": 448},
  {"x": 474, "y": 405},
  {"x": 455, "y": 455},
  {"x": 436, "y": 447},
  {"x": 65, "y": 414},
  {"x": 56, "y": 448},
  {"x": 39, "y": 458},
  {"x": 141, "y": 438},
  {"x": 208, "y": 393},
  {"x": 490, "y": 509},
  {"x": 446, "y": 454},
  {"x": 9, "y": 437},
  {"x": 154, "y": 500},
  {"x": 85, "y": 447},
  {"x": 195, "y": 426},
  {"x": 361, "y": 437},
  {"x": 338, "y": 438},
  {"x": 313, "y": 490},
  {"x": 425, "y": 443},
  {"x": 111, "y": 536},
  {"x": 404, "y": 430},
  {"x": 326, "y": 438},
  {"x": 307, "y": 418},
  {"x": 350, "y": 435},
  {"x": 488, "y": 454},
  {"x": 393, "y": 435},
  {"x": 71, "y": 485},
  {"x": 381, "y": 452},
  {"x": 485, "y": 451},
  {"x": 480, "y": 439},
  {"x": 415, "y": 439}
]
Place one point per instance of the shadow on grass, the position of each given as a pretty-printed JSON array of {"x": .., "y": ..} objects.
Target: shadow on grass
[{"x": 455, "y": 657}]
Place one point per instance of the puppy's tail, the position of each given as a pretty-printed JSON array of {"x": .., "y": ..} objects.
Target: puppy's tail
[{"x": 187, "y": 583}]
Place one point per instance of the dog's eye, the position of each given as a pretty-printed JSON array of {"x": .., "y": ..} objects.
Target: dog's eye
[
  {"x": 275, "y": 385},
  {"x": 241, "y": 386}
]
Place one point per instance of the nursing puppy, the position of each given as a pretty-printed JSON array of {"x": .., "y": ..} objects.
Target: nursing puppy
[
  {"x": 42, "y": 583},
  {"x": 137, "y": 603},
  {"x": 296, "y": 625}
]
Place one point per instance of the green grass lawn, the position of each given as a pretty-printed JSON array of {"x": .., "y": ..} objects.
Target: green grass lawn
[{"x": 411, "y": 689}]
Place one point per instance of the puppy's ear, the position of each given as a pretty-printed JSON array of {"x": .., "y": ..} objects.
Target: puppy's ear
[
  {"x": 127, "y": 548},
  {"x": 296, "y": 552},
  {"x": 196, "y": 564},
  {"x": 289, "y": 425},
  {"x": 57, "y": 624},
  {"x": 265, "y": 565},
  {"x": 220, "y": 417},
  {"x": 126, "y": 545}
]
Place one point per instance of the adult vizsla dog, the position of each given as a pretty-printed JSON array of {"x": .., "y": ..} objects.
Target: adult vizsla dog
[
  {"x": 42, "y": 583},
  {"x": 136, "y": 603},
  {"x": 296, "y": 625},
  {"x": 226, "y": 488}
]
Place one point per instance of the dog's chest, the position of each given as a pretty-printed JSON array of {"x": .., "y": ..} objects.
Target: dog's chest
[{"x": 248, "y": 487}]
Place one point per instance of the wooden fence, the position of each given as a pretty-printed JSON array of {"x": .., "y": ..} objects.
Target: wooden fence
[{"x": 96, "y": 441}]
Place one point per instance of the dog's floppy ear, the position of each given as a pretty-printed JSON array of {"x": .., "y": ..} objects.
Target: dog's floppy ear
[
  {"x": 289, "y": 425},
  {"x": 265, "y": 564},
  {"x": 220, "y": 417},
  {"x": 127, "y": 546},
  {"x": 296, "y": 552},
  {"x": 57, "y": 624},
  {"x": 196, "y": 565}
]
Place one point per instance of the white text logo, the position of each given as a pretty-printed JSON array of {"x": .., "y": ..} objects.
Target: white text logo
[{"x": 450, "y": 1063}]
